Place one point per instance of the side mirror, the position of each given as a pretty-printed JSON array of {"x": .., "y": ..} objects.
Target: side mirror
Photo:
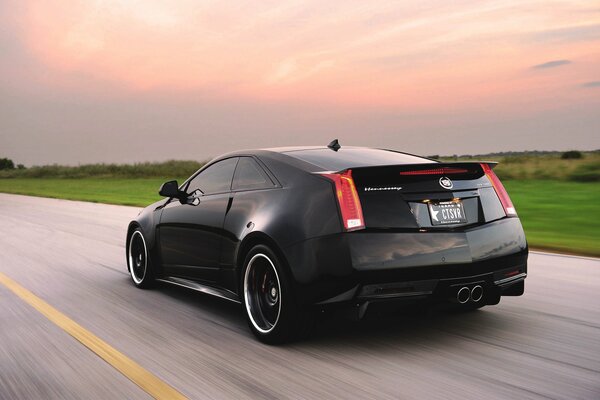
[{"x": 170, "y": 189}]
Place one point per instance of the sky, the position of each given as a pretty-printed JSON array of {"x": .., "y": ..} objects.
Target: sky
[{"x": 85, "y": 81}]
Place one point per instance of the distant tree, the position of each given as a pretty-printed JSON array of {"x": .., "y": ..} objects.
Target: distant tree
[
  {"x": 6, "y": 163},
  {"x": 571, "y": 155},
  {"x": 20, "y": 166}
]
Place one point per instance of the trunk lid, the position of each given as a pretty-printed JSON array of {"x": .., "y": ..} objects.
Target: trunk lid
[{"x": 426, "y": 196}]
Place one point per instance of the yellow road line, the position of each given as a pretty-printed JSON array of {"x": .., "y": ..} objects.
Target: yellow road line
[{"x": 147, "y": 381}]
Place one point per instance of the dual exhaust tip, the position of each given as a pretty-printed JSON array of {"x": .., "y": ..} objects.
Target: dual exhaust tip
[{"x": 465, "y": 294}]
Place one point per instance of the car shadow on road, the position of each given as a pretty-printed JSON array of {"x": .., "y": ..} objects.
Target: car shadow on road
[
  {"x": 422, "y": 325},
  {"x": 337, "y": 329},
  {"x": 210, "y": 307}
]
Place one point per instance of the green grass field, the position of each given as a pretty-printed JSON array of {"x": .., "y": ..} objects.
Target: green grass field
[
  {"x": 561, "y": 216},
  {"x": 129, "y": 192},
  {"x": 556, "y": 215}
]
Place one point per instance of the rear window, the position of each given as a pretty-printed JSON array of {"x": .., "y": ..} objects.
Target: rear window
[{"x": 344, "y": 158}]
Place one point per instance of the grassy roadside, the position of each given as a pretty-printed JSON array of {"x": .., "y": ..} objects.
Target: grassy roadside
[
  {"x": 556, "y": 215},
  {"x": 129, "y": 192},
  {"x": 560, "y": 216}
]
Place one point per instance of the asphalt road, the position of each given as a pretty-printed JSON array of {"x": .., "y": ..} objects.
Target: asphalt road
[{"x": 545, "y": 344}]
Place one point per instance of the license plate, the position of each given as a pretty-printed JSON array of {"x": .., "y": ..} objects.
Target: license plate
[{"x": 447, "y": 212}]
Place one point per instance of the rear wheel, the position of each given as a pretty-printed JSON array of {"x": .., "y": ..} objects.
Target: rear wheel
[
  {"x": 273, "y": 314},
  {"x": 138, "y": 260}
]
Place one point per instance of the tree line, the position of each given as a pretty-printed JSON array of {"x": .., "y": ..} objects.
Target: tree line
[{"x": 7, "y": 163}]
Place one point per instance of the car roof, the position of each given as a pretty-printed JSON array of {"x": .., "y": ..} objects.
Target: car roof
[
  {"x": 349, "y": 157},
  {"x": 289, "y": 149},
  {"x": 322, "y": 158}
]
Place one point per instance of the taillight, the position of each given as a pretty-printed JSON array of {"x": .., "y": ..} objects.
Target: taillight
[
  {"x": 347, "y": 197},
  {"x": 509, "y": 209}
]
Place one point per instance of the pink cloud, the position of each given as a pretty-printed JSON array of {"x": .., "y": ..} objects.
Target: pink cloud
[{"x": 345, "y": 54}]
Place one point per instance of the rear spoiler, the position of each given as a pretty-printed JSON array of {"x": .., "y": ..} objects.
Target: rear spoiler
[{"x": 433, "y": 168}]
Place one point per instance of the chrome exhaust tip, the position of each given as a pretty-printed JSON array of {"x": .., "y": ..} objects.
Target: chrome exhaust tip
[
  {"x": 463, "y": 295},
  {"x": 476, "y": 293}
]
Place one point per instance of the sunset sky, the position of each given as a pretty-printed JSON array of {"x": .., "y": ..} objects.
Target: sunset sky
[{"x": 126, "y": 80}]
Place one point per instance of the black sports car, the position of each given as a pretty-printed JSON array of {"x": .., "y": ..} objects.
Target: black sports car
[{"x": 286, "y": 231}]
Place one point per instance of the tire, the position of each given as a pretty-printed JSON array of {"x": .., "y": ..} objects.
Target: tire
[
  {"x": 139, "y": 263},
  {"x": 272, "y": 311}
]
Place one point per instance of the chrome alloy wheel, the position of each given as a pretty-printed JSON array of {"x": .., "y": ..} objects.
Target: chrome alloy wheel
[
  {"x": 138, "y": 257},
  {"x": 262, "y": 293}
]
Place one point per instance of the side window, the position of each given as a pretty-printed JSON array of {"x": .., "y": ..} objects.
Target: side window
[
  {"x": 249, "y": 175},
  {"x": 214, "y": 179}
]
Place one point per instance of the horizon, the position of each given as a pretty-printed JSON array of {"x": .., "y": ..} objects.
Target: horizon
[
  {"x": 508, "y": 153},
  {"x": 124, "y": 81}
]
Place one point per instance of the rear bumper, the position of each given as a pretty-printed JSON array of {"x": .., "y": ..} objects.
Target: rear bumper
[
  {"x": 505, "y": 282},
  {"x": 369, "y": 266},
  {"x": 492, "y": 285}
]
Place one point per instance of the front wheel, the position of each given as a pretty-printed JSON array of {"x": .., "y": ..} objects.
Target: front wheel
[
  {"x": 272, "y": 311},
  {"x": 138, "y": 260}
]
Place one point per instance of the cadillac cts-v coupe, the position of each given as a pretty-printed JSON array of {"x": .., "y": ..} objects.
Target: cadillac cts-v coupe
[{"x": 289, "y": 231}]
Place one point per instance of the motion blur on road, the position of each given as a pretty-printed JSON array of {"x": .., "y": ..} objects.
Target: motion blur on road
[{"x": 545, "y": 344}]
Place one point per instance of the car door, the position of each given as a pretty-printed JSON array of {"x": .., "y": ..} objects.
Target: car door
[
  {"x": 250, "y": 188},
  {"x": 190, "y": 235}
]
